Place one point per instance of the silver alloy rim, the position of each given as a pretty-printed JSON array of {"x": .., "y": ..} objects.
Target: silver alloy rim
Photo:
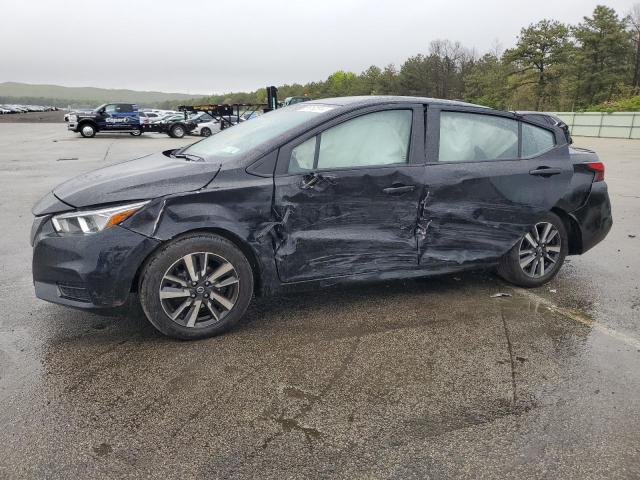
[
  {"x": 199, "y": 289},
  {"x": 87, "y": 130},
  {"x": 178, "y": 132},
  {"x": 540, "y": 250}
]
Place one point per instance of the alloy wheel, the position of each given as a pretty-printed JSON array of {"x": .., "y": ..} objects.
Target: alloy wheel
[
  {"x": 540, "y": 250},
  {"x": 199, "y": 289}
]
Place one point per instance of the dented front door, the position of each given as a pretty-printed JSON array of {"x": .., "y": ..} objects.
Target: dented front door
[{"x": 347, "y": 221}]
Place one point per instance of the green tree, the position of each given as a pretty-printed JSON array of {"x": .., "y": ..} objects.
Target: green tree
[
  {"x": 486, "y": 82},
  {"x": 539, "y": 58},
  {"x": 604, "y": 56}
]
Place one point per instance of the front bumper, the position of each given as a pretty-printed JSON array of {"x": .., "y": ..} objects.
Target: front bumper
[
  {"x": 87, "y": 271},
  {"x": 594, "y": 218}
]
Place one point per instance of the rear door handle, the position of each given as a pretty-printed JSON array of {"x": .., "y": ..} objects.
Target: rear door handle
[
  {"x": 399, "y": 190},
  {"x": 545, "y": 171}
]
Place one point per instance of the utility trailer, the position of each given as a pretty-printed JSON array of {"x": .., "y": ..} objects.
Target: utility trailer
[{"x": 227, "y": 115}]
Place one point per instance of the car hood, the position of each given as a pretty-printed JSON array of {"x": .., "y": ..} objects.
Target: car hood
[{"x": 144, "y": 178}]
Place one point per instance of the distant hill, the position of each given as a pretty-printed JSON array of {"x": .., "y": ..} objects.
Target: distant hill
[{"x": 14, "y": 92}]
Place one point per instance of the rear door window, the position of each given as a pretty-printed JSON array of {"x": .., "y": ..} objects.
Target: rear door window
[
  {"x": 536, "y": 140},
  {"x": 474, "y": 137}
]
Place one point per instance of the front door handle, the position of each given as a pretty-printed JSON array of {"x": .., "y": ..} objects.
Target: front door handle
[
  {"x": 545, "y": 171},
  {"x": 399, "y": 190}
]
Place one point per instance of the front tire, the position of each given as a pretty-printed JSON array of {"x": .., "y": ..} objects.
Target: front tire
[
  {"x": 205, "y": 132},
  {"x": 537, "y": 257},
  {"x": 87, "y": 130},
  {"x": 196, "y": 286}
]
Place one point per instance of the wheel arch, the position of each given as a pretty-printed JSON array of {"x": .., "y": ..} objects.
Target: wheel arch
[
  {"x": 573, "y": 230},
  {"x": 85, "y": 121},
  {"x": 236, "y": 240}
]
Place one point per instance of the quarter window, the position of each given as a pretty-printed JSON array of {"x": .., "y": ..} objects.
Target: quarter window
[
  {"x": 380, "y": 138},
  {"x": 302, "y": 156},
  {"x": 536, "y": 140},
  {"x": 473, "y": 137}
]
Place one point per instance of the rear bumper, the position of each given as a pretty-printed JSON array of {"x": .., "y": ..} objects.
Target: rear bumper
[
  {"x": 92, "y": 271},
  {"x": 594, "y": 218}
]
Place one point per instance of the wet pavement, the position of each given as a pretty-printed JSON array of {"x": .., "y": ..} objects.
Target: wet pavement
[{"x": 421, "y": 379}]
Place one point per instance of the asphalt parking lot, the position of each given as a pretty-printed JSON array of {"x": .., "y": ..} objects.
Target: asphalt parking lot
[{"x": 419, "y": 379}]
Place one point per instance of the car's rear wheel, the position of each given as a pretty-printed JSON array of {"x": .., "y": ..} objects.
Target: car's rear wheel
[
  {"x": 197, "y": 286},
  {"x": 537, "y": 257},
  {"x": 136, "y": 133},
  {"x": 177, "y": 131},
  {"x": 87, "y": 130}
]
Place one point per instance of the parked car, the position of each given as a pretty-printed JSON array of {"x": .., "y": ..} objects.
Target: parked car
[
  {"x": 321, "y": 193},
  {"x": 148, "y": 117},
  {"x": 206, "y": 129}
]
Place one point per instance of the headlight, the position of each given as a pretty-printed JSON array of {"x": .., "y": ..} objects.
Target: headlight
[
  {"x": 94, "y": 221},
  {"x": 72, "y": 118}
]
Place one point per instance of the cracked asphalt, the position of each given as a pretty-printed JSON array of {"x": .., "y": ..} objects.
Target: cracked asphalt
[{"x": 420, "y": 379}]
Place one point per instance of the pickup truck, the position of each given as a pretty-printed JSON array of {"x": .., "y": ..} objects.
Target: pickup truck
[{"x": 123, "y": 118}]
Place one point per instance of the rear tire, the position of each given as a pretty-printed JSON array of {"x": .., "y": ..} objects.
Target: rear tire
[
  {"x": 169, "y": 297},
  {"x": 536, "y": 258},
  {"x": 177, "y": 131},
  {"x": 135, "y": 133}
]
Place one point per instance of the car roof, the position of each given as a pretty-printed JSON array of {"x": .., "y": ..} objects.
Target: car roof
[{"x": 372, "y": 100}]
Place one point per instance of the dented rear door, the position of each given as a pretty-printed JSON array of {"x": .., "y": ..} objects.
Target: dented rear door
[
  {"x": 475, "y": 210},
  {"x": 339, "y": 219}
]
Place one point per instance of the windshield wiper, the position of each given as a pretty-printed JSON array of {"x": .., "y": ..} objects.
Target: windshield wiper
[{"x": 188, "y": 156}]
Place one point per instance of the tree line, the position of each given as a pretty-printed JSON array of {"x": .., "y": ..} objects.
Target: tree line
[{"x": 594, "y": 65}]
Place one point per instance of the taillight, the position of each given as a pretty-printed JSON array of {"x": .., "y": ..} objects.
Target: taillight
[{"x": 598, "y": 169}]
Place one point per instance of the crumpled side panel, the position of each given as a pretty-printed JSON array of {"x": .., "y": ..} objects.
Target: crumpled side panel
[{"x": 345, "y": 224}]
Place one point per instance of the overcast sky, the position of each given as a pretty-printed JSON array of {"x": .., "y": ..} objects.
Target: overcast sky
[{"x": 200, "y": 46}]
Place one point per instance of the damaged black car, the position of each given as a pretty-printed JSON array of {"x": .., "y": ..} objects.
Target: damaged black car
[{"x": 316, "y": 194}]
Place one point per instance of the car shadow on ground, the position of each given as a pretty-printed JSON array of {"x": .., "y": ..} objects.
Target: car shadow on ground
[{"x": 390, "y": 302}]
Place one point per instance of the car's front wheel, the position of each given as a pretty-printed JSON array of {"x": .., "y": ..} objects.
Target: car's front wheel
[
  {"x": 538, "y": 255},
  {"x": 196, "y": 286},
  {"x": 205, "y": 132},
  {"x": 87, "y": 130}
]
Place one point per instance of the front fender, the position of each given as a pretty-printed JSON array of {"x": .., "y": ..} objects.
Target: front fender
[{"x": 238, "y": 208}]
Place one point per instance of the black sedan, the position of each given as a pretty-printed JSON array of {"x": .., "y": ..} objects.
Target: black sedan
[{"x": 315, "y": 194}]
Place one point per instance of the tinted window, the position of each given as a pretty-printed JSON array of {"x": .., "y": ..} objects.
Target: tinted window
[
  {"x": 473, "y": 137},
  {"x": 536, "y": 140},
  {"x": 124, "y": 108},
  {"x": 110, "y": 108}
]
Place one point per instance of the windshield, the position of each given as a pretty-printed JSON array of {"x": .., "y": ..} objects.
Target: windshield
[
  {"x": 241, "y": 138},
  {"x": 97, "y": 109}
]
